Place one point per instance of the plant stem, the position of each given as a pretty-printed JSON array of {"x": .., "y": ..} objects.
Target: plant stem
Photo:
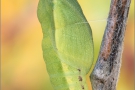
[{"x": 106, "y": 71}]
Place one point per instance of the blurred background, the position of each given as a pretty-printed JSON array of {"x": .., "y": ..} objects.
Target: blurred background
[{"x": 22, "y": 64}]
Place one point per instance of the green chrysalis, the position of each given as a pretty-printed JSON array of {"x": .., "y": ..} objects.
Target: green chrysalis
[{"x": 67, "y": 43}]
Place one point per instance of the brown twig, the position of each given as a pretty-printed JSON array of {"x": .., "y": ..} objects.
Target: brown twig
[{"x": 106, "y": 71}]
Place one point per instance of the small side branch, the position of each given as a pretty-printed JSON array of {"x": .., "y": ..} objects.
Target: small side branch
[{"x": 106, "y": 71}]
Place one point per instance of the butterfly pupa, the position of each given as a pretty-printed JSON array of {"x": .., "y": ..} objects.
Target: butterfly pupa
[{"x": 67, "y": 43}]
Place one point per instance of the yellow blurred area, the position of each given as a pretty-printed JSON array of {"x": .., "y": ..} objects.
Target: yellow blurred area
[{"x": 22, "y": 64}]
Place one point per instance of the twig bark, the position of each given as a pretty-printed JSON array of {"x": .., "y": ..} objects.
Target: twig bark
[{"x": 106, "y": 71}]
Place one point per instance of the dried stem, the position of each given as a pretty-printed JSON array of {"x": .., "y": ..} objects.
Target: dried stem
[{"x": 106, "y": 71}]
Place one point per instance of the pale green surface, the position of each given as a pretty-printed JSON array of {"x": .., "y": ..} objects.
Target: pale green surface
[{"x": 67, "y": 43}]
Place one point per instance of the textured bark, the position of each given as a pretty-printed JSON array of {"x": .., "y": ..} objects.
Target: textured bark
[{"x": 106, "y": 71}]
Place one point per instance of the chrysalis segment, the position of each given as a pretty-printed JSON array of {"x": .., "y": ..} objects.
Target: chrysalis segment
[
  {"x": 67, "y": 43},
  {"x": 73, "y": 37}
]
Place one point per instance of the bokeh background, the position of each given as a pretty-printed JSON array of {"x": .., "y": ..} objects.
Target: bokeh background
[{"x": 22, "y": 64}]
